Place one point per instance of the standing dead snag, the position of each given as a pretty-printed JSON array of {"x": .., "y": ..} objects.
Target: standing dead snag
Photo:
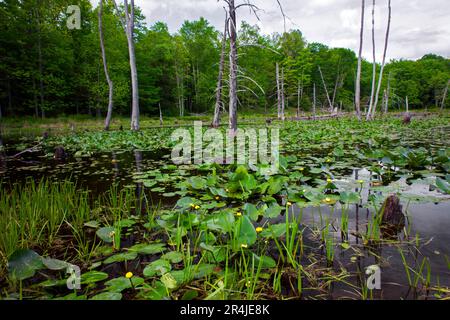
[
  {"x": 128, "y": 26},
  {"x": 326, "y": 90},
  {"x": 233, "y": 67},
  {"x": 444, "y": 96},
  {"x": 282, "y": 95},
  {"x": 277, "y": 69},
  {"x": 386, "y": 40},
  {"x": 105, "y": 67},
  {"x": 216, "y": 119},
  {"x": 358, "y": 72},
  {"x": 374, "y": 65}
]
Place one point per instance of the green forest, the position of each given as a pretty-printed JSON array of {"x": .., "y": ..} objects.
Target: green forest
[{"x": 48, "y": 70}]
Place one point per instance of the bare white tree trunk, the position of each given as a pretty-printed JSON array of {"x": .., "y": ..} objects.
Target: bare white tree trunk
[
  {"x": 233, "y": 68},
  {"x": 374, "y": 65},
  {"x": 314, "y": 100},
  {"x": 216, "y": 119},
  {"x": 277, "y": 68},
  {"x": 282, "y": 94},
  {"x": 326, "y": 90},
  {"x": 128, "y": 25},
  {"x": 299, "y": 95},
  {"x": 160, "y": 115},
  {"x": 105, "y": 67},
  {"x": 358, "y": 72},
  {"x": 388, "y": 92},
  {"x": 386, "y": 41},
  {"x": 407, "y": 104},
  {"x": 444, "y": 97}
]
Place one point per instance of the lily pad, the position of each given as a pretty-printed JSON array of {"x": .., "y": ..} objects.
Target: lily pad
[{"x": 24, "y": 263}]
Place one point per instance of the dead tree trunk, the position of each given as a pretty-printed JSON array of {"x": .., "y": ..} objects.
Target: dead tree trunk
[
  {"x": 386, "y": 40},
  {"x": 282, "y": 94},
  {"x": 326, "y": 90},
  {"x": 219, "y": 102},
  {"x": 358, "y": 72},
  {"x": 299, "y": 95},
  {"x": 374, "y": 65},
  {"x": 444, "y": 97},
  {"x": 278, "y": 90},
  {"x": 128, "y": 25},
  {"x": 105, "y": 67},
  {"x": 314, "y": 100},
  {"x": 233, "y": 68},
  {"x": 407, "y": 104},
  {"x": 388, "y": 92},
  {"x": 160, "y": 114}
]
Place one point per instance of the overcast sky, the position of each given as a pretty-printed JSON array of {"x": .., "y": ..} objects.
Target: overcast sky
[{"x": 418, "y": 26}]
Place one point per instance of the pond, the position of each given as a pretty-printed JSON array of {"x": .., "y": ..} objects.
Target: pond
[{"x": 335, "y": 217}]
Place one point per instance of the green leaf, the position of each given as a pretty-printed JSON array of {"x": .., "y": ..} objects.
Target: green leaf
[
  {"x": 107, "y": 296},
  {"x": 106, "y": 234},
  {"x": 54, "y": 264},
  {"x": 122, "y": 283},
  {"x": 159, "y": 266},
  {"x": 173, "y": 256},
  {"x": 24, "y": 263},
  {"x": 273, "y": 211},
  {"x": 443, "y": 185},
  {"x": 266, "y": 262},
  {"x": 169, "y": 281},
  {"x": 120, "y": 257},
  {"x": 144, "y": 248},
  {"x": 93, "y": 277},
  {"x": 247, "y": 233},
  {"x": 251, "y": 211}
]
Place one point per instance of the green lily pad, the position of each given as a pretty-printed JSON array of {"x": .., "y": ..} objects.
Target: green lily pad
[
  {"x": 24, "y": 263},
  {"x": 106, "y": 234},
  {"x": 107, "y": 296},
  {"x": 120, "y": 257},
  {"x": 173, "y": 256},
  {"x": 93, "y": 277},
  {"x": 159, "y": 266},
  {"x": 145, "y": 248},
  {"x": 121, "y": 283}
]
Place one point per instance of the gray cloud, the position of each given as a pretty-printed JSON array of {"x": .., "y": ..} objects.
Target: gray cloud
[{"x": 418, "y": 27}]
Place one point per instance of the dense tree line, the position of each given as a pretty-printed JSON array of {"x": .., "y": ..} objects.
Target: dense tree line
[{"x": 47, "y": 69}]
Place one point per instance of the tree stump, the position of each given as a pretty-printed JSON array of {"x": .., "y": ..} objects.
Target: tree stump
[
  {"x": 407, "y": 118},
  {"x": 392, "y": 219},
  {"x": 60, "y": 153}
]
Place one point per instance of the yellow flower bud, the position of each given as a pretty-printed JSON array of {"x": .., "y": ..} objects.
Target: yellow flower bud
[
  {"x": 128, "y": 275},
  {"x": 259, "y": 229}
]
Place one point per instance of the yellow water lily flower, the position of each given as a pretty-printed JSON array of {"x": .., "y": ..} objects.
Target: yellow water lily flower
[
  {"x": 192, "y": 205},
  {"x": 360, "y": 181},
  {"x": 238, "y": 214},
  {"x": 129, "y": 275},
  {"x": 244, "y": 246},
  {"x": 329, "y": 180},
  {"x": 289, "y": 204},
  {"x": 259, "y": 229},
  {"x": 217, "y": 197},
  {"x": 197, "y": 207},
  {"x": 301, "y": 168}
]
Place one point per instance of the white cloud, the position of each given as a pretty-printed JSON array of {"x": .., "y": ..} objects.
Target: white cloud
[{"x": 418, "y": 27}]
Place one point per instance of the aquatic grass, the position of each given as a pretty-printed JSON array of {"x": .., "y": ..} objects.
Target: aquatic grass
[{"x": 33, "y": 214}]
